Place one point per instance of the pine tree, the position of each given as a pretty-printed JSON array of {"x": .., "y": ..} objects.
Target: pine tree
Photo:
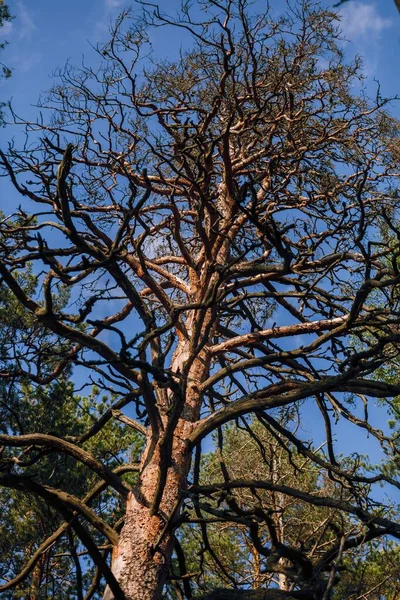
[{"x": 203, "y": 240}]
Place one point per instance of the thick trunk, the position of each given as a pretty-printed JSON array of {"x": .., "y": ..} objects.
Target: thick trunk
[{"x": 141, "y": 560}]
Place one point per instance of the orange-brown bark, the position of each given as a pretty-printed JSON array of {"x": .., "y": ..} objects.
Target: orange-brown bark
[{"x": 140, "y": 561}]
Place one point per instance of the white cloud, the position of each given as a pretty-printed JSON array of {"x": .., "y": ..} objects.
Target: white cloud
[
  {"x": 362, "y": 21},
  {"x": 25, "y": 22},
  {"x": 113, "y": 3}
]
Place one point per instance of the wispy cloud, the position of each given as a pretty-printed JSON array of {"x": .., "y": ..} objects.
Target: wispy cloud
[
  {"x": 113, "y": 3},
  {"x": 363, "y": 28},
  {"x": 25, "y": 25},
  {"x": 361, "y": 21},
  {"x": 102, "y": 25}
]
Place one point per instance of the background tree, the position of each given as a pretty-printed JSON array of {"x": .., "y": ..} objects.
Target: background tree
[
  {"x": 29, "y": 569},
  {"x": 253, "y": 451},
  {"x": 5, "y": 17},
  {"x": 202, "y": 235}
]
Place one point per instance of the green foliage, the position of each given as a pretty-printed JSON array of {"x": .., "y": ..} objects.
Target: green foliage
[
  {"x": 5, "y": 17},
  {"x": 253, "y": 454},
  {"x": 26, "y": 520},
  {"x": 232, "y": 558},
  {"x": 5, "y": 71},
  {"x": 372, "y": 574}
]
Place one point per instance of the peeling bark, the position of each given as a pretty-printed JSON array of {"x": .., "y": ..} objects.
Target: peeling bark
[
  {"x": 140, "y": 561},
  {"x": 140, "y": 568}
]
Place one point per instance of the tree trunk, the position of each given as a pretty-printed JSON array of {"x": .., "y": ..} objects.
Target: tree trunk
[
  {"x": 140, "y": 561},
  {"x": 141, "y": 570},
  {"x": 37, "y": 576}
]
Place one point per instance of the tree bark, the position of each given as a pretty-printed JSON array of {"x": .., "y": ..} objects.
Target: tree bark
[
  {"x": 140, "y": 561},
  {"x": 139, "y": 567}
]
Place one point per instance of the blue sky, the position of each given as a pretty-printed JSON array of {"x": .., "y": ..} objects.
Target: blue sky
[{"x": 47, "y": 33}]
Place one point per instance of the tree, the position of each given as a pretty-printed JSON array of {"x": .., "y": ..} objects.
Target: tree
[
  {"x": 211, "y": 225},
  {"x": 28, "y": 568},
  {"x": 247, "y": 452},
  {"x": 5, "y": 17},
  {"x": 251, "y": 451}
]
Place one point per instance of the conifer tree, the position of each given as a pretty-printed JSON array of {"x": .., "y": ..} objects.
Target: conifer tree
[{"x": 202, "y": 235}]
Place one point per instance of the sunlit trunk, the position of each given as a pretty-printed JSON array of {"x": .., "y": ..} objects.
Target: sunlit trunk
[
  {"x": 141, "y": 559},
  {"x": 37, "y": 575},
  {"x": 140, "y": 562}
]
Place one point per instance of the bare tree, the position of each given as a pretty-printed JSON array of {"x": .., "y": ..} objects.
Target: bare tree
[{"x": 205, "y": 237}]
